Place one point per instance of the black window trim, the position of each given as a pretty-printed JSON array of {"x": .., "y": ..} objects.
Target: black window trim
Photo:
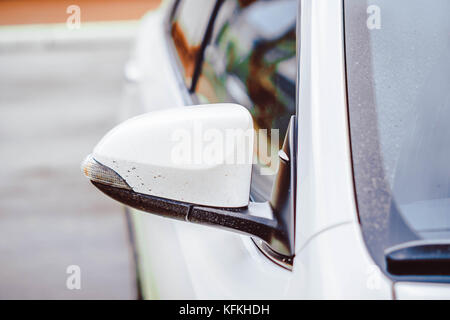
[{"x": 199, "y": 61}]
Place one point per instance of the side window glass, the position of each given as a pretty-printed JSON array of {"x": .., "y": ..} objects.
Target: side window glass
[
  {"x": 251, "y": 60},
  {"x": 188, "y": 27}
]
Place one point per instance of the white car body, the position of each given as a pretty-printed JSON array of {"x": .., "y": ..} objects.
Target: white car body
[{"x": 183, "y": 261}]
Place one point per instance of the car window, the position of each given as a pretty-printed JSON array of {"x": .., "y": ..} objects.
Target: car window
[
  {"x": 398, "y": 80},
  {"x": 251, "y": 60},
  {"x": 188, "y": 27}
]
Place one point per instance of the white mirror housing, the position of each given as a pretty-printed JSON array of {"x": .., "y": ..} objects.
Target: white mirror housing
[
  {"x": 197, "y": 154},
  {"x": 194, "y": 164}
]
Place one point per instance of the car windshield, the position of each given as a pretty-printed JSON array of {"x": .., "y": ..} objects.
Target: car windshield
[{"x": 398, "y": 81}]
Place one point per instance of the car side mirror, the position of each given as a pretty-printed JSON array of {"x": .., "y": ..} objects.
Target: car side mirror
[{"x": 192, "y": 164}]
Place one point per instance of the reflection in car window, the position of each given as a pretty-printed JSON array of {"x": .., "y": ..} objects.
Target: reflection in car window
[
  {"x": 251, "y": 61},
  {"x": 188, "y": 28}
]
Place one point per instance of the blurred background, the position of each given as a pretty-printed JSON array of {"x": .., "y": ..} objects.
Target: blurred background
[{"x": 60, "y": 90}]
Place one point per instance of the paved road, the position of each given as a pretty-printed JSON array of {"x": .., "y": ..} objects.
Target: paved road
[{"x": 56, "y": 102}]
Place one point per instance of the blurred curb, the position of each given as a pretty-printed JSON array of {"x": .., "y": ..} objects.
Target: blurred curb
[{"x": 42, "y": 36}]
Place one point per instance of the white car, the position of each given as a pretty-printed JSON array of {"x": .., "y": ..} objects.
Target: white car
[{"x": 355, "y": 95}]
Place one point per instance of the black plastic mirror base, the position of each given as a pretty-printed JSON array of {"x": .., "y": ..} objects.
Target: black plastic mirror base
[{"x": 242, "y": 220}]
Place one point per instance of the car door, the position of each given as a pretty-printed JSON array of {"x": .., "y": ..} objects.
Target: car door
[
  {"x": 179, "y": 260},
  {"x": 247, "y": 56}
]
